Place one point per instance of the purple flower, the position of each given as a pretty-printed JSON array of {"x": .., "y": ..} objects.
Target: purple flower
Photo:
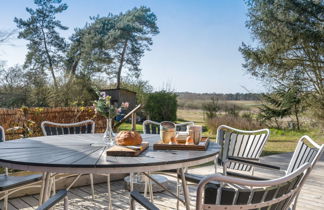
[{"x": 103, "y": 94}]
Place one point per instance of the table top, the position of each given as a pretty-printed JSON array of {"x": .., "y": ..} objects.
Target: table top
[{"x": 82, "y": 154}]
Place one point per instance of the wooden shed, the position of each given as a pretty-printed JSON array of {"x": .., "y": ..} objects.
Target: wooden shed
[{"x": 121, "y": 95}]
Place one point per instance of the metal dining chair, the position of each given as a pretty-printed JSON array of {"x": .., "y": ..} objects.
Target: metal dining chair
[
  {"x": 52, "y": 128},
  {"x": 236, "y": 143},
  {"x": 151, "y": 127},
  {"x": 55, "y": 199},
  {"x": 2, "y": 134},
  {"x": 182, "y": 127},
  {"x": 225, "y": 192},
  {"x": 307, "y": 151},
  {"x": 11, "y": 184},
  {"x": 83, "y": 127}
]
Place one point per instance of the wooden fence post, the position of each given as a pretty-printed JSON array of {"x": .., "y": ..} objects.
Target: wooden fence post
[{"x": 133, "y": 121}]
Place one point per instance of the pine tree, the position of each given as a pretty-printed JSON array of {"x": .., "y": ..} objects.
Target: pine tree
[
  {"x": 46, "y": 47},
  {"x": 283, "y": 102},
  {"x": 289, "y": 38},
  {"x": 113, "y": 43}
]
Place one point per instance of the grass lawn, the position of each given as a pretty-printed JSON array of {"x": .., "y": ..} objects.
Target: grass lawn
[
  {"x": 128, "y": 126},
  {"x": 194, "y": 115},
  {"x": 285, "y": 140}
]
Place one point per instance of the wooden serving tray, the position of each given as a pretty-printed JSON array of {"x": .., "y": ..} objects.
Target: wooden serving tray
[
  {"x": 202, "y": 146},
  {"x": 124, "y": 151}
]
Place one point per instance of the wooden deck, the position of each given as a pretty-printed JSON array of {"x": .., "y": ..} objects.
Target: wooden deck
[{"x": 311, "y": 197}]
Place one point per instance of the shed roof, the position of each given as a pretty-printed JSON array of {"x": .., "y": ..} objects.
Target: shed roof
[{"x": 119, "y": 89}]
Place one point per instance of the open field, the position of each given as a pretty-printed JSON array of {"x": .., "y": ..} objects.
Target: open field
[
  {"x": 195, "y": 115},
  {"x": 197, "y": 103}
]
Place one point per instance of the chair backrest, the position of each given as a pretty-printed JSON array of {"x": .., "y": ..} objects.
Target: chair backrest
[
  {"x": 306, "y": 151},
  {"x": 237, "y": 193},
  {"x": 51, "y": 128},
  {"x": 183, "y": 126},
  {"x": 240, "y": 143},
  {"x": 2, "y": 134},
  {"x": 151, "y": 127}
]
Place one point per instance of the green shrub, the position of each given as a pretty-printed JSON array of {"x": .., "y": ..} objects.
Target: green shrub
[
  {"x": 211, "y": 108},
  {"x": 161, "y": 106}
]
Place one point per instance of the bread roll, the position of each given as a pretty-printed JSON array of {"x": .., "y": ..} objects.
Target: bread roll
[{"x": 128, "y": 138}]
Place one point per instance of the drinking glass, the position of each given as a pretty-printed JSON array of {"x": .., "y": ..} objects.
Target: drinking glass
[{"x": 195, "y": 133}]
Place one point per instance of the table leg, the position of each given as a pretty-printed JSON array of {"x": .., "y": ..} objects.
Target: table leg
[
  {"x": 131, "y": 188},
  {"x": 42, "y": 191},
  {"x": 92, "y": 186},
  {"x": 150, "y": 185},
  {"x": 185, "y": 189},
  {"x": 145, "y": 186},
  {"x": 109, "y": 191},
  {"x": 54, "y": 186},
  {"x": 216, "y": 163},
  {"x": 47, "y": 187},
  {"x": 5, "y": 201},
  {"x": 178, "y": 190},
  {"x": 66, "y": 203}
]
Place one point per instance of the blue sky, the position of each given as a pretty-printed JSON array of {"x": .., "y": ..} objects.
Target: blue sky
[{"x": 196, "y": 50}]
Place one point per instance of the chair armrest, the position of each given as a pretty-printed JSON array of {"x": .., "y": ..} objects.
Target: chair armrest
[
  {"x": 143, "y": 201},
  {"x": 245, "y": 176},
  {"x": 195, "y": 178},
  {"x": 252, "y": 163},
  {"x": 53, "y": 200},
  {"x": 245, "y": 158}
]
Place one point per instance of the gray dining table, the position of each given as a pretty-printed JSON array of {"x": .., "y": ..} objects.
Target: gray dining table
[{"x": 85, "y": 153}]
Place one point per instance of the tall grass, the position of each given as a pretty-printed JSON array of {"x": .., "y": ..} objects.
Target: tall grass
[{"x": 233, "y": 121}]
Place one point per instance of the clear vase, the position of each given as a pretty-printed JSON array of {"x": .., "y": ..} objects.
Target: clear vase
[{"x": 108, "y": 137}]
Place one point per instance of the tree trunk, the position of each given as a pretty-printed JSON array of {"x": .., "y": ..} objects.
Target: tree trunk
[
  {"x": 52, "y": 71},
  {"x": 73, "y": 70},
  {"x": 121, "y": 63},
  {"x": 297, "y": 118},
  {"x": 49, "y": 61},
  {"x": 277, "y": 123}
]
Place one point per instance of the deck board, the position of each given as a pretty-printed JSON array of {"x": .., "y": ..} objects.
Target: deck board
[{"x": 311, "y": 197}]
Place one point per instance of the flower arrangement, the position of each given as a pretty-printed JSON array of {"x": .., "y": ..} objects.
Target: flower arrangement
[{"x": 104, "y": 107}]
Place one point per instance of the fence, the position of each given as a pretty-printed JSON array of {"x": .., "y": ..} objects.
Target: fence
[{"x": 27, "y": 121}]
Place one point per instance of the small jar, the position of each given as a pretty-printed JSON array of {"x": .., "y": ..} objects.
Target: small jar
[
  {"x": 167, "y": 131},
  {"x": 195, "y": 132}
]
